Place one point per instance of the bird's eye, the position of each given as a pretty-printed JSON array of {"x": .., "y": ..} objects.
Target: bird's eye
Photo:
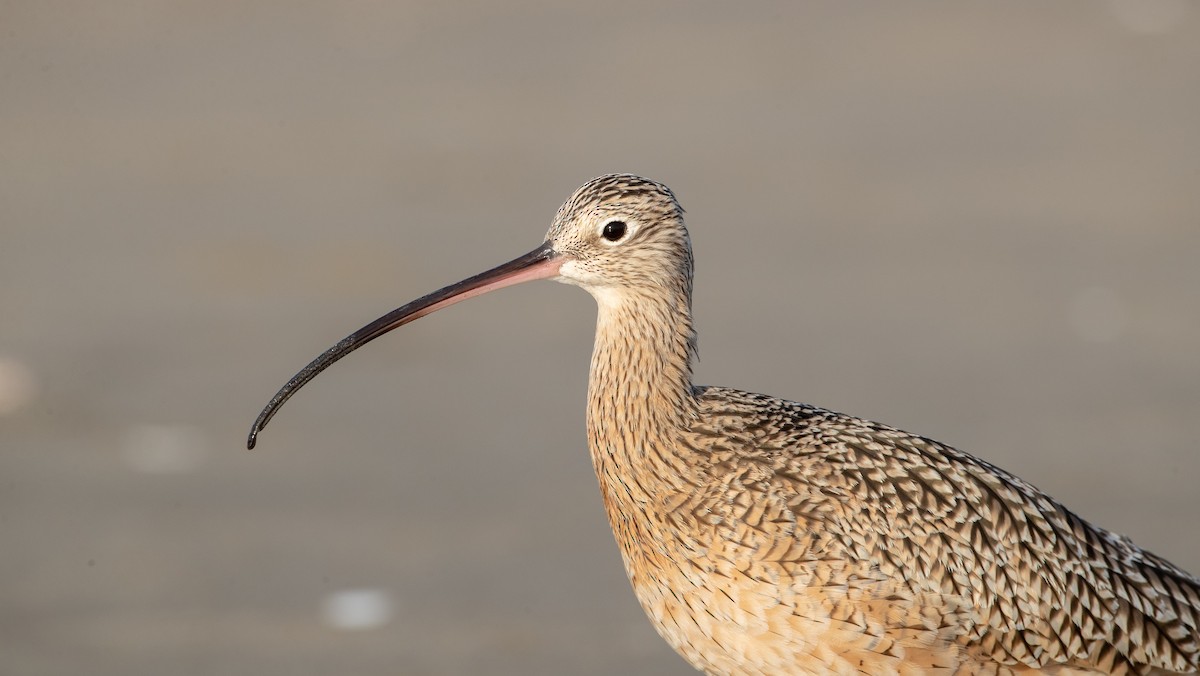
[{"x": 614, "y": 231}]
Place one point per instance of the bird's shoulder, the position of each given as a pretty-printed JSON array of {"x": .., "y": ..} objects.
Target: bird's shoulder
[{"x": 735, "y": 425}]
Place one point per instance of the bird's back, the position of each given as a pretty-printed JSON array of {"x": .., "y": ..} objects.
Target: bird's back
[{"x": 809, "y": 541}]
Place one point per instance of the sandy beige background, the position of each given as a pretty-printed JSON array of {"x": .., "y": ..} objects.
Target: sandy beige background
[{"x": 976, "y": 221}]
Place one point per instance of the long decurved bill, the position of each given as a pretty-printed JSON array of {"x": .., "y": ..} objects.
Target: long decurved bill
[{"x": 541, "y": 263}]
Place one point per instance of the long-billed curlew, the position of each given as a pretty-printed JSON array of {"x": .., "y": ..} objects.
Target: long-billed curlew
[{"x": 763, "y": 536}]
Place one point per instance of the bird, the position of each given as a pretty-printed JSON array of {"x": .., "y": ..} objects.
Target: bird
[{"x": 765, "y": 536}]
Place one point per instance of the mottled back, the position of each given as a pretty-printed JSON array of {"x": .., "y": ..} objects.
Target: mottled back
[{"x": 1030, "y": 584}]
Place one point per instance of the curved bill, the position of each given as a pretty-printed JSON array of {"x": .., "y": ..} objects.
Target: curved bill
[{"x": 541, "y": 263}]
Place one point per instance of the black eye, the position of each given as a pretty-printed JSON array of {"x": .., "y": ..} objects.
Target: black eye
[{"x": 614, "y": 230}]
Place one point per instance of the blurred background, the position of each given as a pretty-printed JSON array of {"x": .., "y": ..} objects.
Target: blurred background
[{"x": 976, "y": 221}]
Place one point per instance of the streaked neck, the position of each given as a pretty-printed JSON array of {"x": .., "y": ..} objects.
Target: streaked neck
[{"x": 640, "y": 390}]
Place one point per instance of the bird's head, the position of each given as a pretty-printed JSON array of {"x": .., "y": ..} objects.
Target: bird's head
[{"x": 622, "y": 232}]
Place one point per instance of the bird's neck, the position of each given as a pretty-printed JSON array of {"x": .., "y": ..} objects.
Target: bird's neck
[{"x": 640, "y": 390}]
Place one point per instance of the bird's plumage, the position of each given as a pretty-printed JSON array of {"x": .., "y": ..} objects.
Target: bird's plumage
[{"x": 891, "y": 548}]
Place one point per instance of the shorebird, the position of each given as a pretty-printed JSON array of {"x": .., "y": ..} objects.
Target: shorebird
[{"x": 763, "y": 536}]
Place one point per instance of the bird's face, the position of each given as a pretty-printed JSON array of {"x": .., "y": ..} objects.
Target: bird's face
[
  {"x": 618, "y": 234},
  {"x": 621, "y": 233}
]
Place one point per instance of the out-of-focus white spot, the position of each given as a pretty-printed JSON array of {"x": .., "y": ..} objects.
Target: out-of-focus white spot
[
  {"x": 18, "y": 385},
  {"x": 353, "y": 609},
  {"x": 164, "y": 449},
  {"x": 1149, "y": 16},
  {"x": 1097, "y": 315}
]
